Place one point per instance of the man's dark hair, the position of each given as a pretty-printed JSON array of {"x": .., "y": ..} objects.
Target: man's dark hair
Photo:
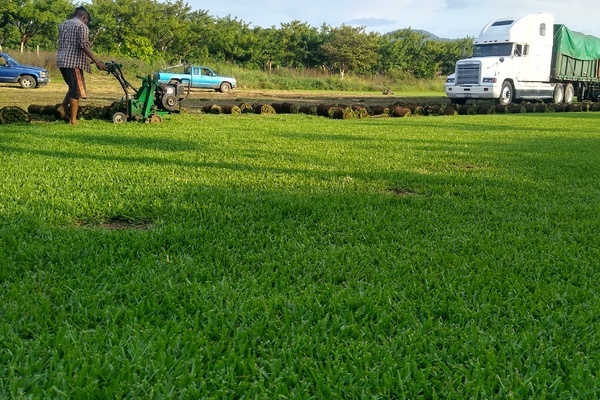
[{"x": 81, "y": 11}]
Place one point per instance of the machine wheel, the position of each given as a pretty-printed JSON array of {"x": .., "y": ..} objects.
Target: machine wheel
[
  {"x": 559, "y": 93},
  {"x": 569, "y": 93},
  {"x": 506, "y": 94},
  {"x": 27, "y": 82},
  {"x": 169, "y": 102},
  {"x": 154, "y": 119},
  {"x": 119, "y": 117},
  {"x": 225, "y": 87}
]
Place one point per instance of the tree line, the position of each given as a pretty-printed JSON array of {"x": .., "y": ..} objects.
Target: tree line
[{"x": 171, "y": 31}]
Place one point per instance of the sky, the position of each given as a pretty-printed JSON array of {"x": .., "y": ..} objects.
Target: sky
[{"x": 451, "y": 19}]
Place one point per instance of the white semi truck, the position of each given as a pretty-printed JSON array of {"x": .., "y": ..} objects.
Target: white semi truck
[{"x": 528, "y": 58}]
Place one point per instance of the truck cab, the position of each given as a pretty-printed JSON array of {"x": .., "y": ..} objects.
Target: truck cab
[
  {"x": 511, "y": 59},
  {"x": 27, "y": 76}
]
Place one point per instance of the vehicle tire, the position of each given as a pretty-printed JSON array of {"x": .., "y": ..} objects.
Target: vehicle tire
[
  {"x": 569, "y": 93},
  {"x": 27, "y": 82},
  {"x": 225, "y": 87},
  {"x": 559, "y": 93},
  {"x": 169, "y": 102},
  {"x": 506, "y": 94},
  {"x": 119, "y": 117},
  {"x": 459, "y": 102}
]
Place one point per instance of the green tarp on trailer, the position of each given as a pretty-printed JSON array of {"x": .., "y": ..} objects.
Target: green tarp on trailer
[{"x": 575, "y": 44}]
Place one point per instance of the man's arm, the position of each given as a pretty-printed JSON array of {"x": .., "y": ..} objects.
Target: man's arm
[{"x": 94, "y": 59}]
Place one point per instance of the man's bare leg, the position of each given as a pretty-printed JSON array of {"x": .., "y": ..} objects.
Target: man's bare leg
[
  {"x": 65, "y": 102},
  {"x": 63, "y": 109},
  {"x": 74, "y": 103}
]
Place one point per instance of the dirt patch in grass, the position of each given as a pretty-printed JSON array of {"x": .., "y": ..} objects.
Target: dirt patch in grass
[
  {"x": 117, "y": 223},
  {"x": 401, "y": 192}
]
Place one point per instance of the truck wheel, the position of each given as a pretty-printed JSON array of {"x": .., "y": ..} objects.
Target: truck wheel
[
  {"x": 225, "y": 87},
  {"x": 506, "y": 94},
  {"x": 559, "y": 93},
  {"x": 459, "y": 102},
  {"x": 569, "y": 93},
  {"x": 27, "y": 82}
]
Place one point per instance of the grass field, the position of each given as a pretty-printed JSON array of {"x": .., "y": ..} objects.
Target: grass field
[{"x": 266, "y": 257}]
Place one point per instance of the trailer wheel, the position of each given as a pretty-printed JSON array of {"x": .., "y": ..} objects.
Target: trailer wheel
[
  {"x": 559, "y": 93},
  {"x": 506, "y": 94},
  {"x": 569, "y": 93}
]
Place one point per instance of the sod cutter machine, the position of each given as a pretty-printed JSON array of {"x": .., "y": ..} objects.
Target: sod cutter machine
[{"x": 151, "y": 101}]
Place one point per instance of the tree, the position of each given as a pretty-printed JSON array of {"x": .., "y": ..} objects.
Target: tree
[
  {"x": 144, "y": 29},
  {"x": 414, "y": 53},
  {"x": 451, "y": 51},
  {"x": 301, "y": 45},
  {"x": 33, "y": 18},
  {"x": 122, "y": 27},
  {"x": 7, "y": 12},
  {"x": 231, "y": 40},
  {"x": 267, "y": 47},
  {"x": 190, "y": 41},
  {"x": 350, "y": 48},
  {"x": 402, "y": 50}
]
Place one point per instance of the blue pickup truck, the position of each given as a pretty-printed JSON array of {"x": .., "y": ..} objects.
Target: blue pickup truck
[
  {"x": 27, "y": 76},
  {"x": 200, "y": 77}
]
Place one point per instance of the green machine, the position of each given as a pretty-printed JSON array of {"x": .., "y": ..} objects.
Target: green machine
[{"x": 151, "y": 101}]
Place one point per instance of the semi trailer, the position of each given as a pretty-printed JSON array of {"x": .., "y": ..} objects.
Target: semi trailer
[{"x": 528, "y": 58}]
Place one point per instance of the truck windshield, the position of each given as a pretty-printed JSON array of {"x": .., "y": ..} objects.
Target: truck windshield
[
  {"x": 492, "y": 50},
  {"x": 5, "y": 59}
]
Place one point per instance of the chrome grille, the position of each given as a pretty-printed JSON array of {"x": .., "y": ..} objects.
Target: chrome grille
[{"x": 468, "y": 73}]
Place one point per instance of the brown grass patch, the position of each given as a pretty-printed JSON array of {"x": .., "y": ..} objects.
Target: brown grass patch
[
  {"x": 401, "y": 192},
  {"x": 118, "y": 223}
]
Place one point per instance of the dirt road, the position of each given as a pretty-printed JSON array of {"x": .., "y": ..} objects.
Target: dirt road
[{"x": 104, "y": 90}]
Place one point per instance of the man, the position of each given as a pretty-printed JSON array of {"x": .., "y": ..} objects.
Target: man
[{"x": 74, "y": 49}]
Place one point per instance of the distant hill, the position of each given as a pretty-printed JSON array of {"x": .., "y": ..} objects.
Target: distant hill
[
  {"x": 428, "y": 34},
  {"x": 425, "y": 33}
]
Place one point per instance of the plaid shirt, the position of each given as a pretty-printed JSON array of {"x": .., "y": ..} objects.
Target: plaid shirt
[{"x": 72, "y": 39}]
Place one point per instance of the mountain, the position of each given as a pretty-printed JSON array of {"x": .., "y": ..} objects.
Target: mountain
[{"x": 428, "y": 35}]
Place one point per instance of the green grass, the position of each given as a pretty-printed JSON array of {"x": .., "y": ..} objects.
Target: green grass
[
  {"x": 314, "y": 80},
  {"x": 301, "y": 257}
]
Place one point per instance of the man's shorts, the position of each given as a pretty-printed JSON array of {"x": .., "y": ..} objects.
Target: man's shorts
[{"x": 74, "y": 79}]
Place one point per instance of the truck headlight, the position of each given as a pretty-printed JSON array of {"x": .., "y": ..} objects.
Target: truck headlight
[
  {"x": 490, "y": 80},
  {"x": 449, "y": 80},
  {"x": 42, "y": 74}
]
